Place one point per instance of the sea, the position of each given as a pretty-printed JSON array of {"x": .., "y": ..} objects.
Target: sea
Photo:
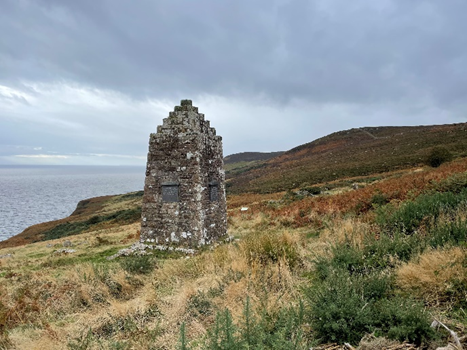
[{"x": 31, "y": 195}]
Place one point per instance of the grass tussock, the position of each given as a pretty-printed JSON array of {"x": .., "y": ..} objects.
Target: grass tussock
[
  {"x": 271, "y": 248},
  {"x": 437, "y": 276}
]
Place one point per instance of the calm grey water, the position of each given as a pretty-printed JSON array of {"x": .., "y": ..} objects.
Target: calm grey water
[{"x": 33, "y": 194}]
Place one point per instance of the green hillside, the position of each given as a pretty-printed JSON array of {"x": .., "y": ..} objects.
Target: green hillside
[{"x": 351, "y": 153}]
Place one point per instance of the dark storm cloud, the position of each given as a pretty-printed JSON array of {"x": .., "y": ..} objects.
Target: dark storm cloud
[
  {"x": 82, "y": 79},
  {"x": 136, "y": 46},
  {"x": 339, "y": 51}
]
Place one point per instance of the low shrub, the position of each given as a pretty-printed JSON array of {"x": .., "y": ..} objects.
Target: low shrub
[
  {"x": 283, "y": 330},
  {"x": 448, "y": 233},
  {"x": 141, "y": 264},
  {"x": 455, "y": 183},
  {"x": 341, "y": 307},
  {"x": 410, "y": 215},
  {"x": 344, "y": 308},
  {"x": 345, "y": 257},
  {"x": 126, "y": 216},
  {"x": 313, "y": 190},
  {"x": 404, "y": 320},
  {"x": 386, "y": 251},
  {"x": 438, "y": 156},
  {"x": 291, "y": 196},
  {"x": 103, "y": 273},
  {"x": 223, "y": 334},
  {"x": 131, "y": 195},
  {"x": 199, "y": 305},
  {"x": 377, "y": 254},
  {"x": 379, "y": 199}
]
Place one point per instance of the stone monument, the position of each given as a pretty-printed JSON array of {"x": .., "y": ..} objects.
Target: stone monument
[{"x": 184, "y": 200}]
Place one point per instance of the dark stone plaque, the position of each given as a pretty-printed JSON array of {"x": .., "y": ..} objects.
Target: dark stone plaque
[
  {"x": 213, "y": 193},
  {"x": 170, "y": 193}
]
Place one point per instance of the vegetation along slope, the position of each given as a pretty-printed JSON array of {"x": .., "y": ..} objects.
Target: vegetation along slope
[
  {"x": 370, "y": 261},
  {"x": 355, "y": 152}
]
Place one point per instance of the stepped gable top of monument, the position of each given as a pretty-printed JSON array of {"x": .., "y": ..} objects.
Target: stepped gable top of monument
[
  {"x": 188, "y": 115},
  {"x": 185, "y": 106}
]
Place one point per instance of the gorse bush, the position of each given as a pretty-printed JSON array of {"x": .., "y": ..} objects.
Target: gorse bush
[
  {"x": 283, "y": 330},
  {"x": 386, "y": 251},
  {"x": 223, "y": 335},
  {"x": 344, "y": 257},
  {"x": 403, "y": 319},
  {"x": 352, "y": 291},
  {"x": 438, "y": 156},
  {"x": 424, "y": 208},
  {"x": 344, "y": 307},
  {"x": 377, "y": 254}
]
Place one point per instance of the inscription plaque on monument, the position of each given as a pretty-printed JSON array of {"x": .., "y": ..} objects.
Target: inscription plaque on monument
[
  {"x": 213, "y": 192},
  {"x": 170, "y": 193}
]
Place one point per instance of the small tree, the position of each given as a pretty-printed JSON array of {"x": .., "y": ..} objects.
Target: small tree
[{"x": 438, "y": 156}]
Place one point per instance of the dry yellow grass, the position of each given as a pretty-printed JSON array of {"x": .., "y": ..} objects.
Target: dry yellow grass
[
  {"x": 433, "y": 275},
  {"x": 351, "y": 229},
  {"x": 70, "y": 295}
]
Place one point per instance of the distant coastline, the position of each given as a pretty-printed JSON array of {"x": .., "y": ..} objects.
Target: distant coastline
[{"x": 32, "y": 194}]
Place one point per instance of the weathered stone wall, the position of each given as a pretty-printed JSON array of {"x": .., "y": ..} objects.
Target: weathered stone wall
[{"x": 185, "y": 161}]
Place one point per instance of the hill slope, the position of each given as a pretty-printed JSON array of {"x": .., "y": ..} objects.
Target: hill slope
[
  {"x": 238, "y": 163},
  {"x": 301, "y": 272},
  {"x": 90, "y": 215},
  {"x": 351, "y": 153},
  {"x": 250, "y": 157}
]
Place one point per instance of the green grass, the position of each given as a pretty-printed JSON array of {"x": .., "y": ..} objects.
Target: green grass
[
  {"x": 78, "y": 258},
  {"x": 139, "y": 264},
  {"x": 132, "y": 195},
  {"x": 37, "y": 255},
  {"x": 123, "y": 217}
]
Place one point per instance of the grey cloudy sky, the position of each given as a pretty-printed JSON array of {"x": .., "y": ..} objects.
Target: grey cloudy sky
[{"x": 85, "y": 82}]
